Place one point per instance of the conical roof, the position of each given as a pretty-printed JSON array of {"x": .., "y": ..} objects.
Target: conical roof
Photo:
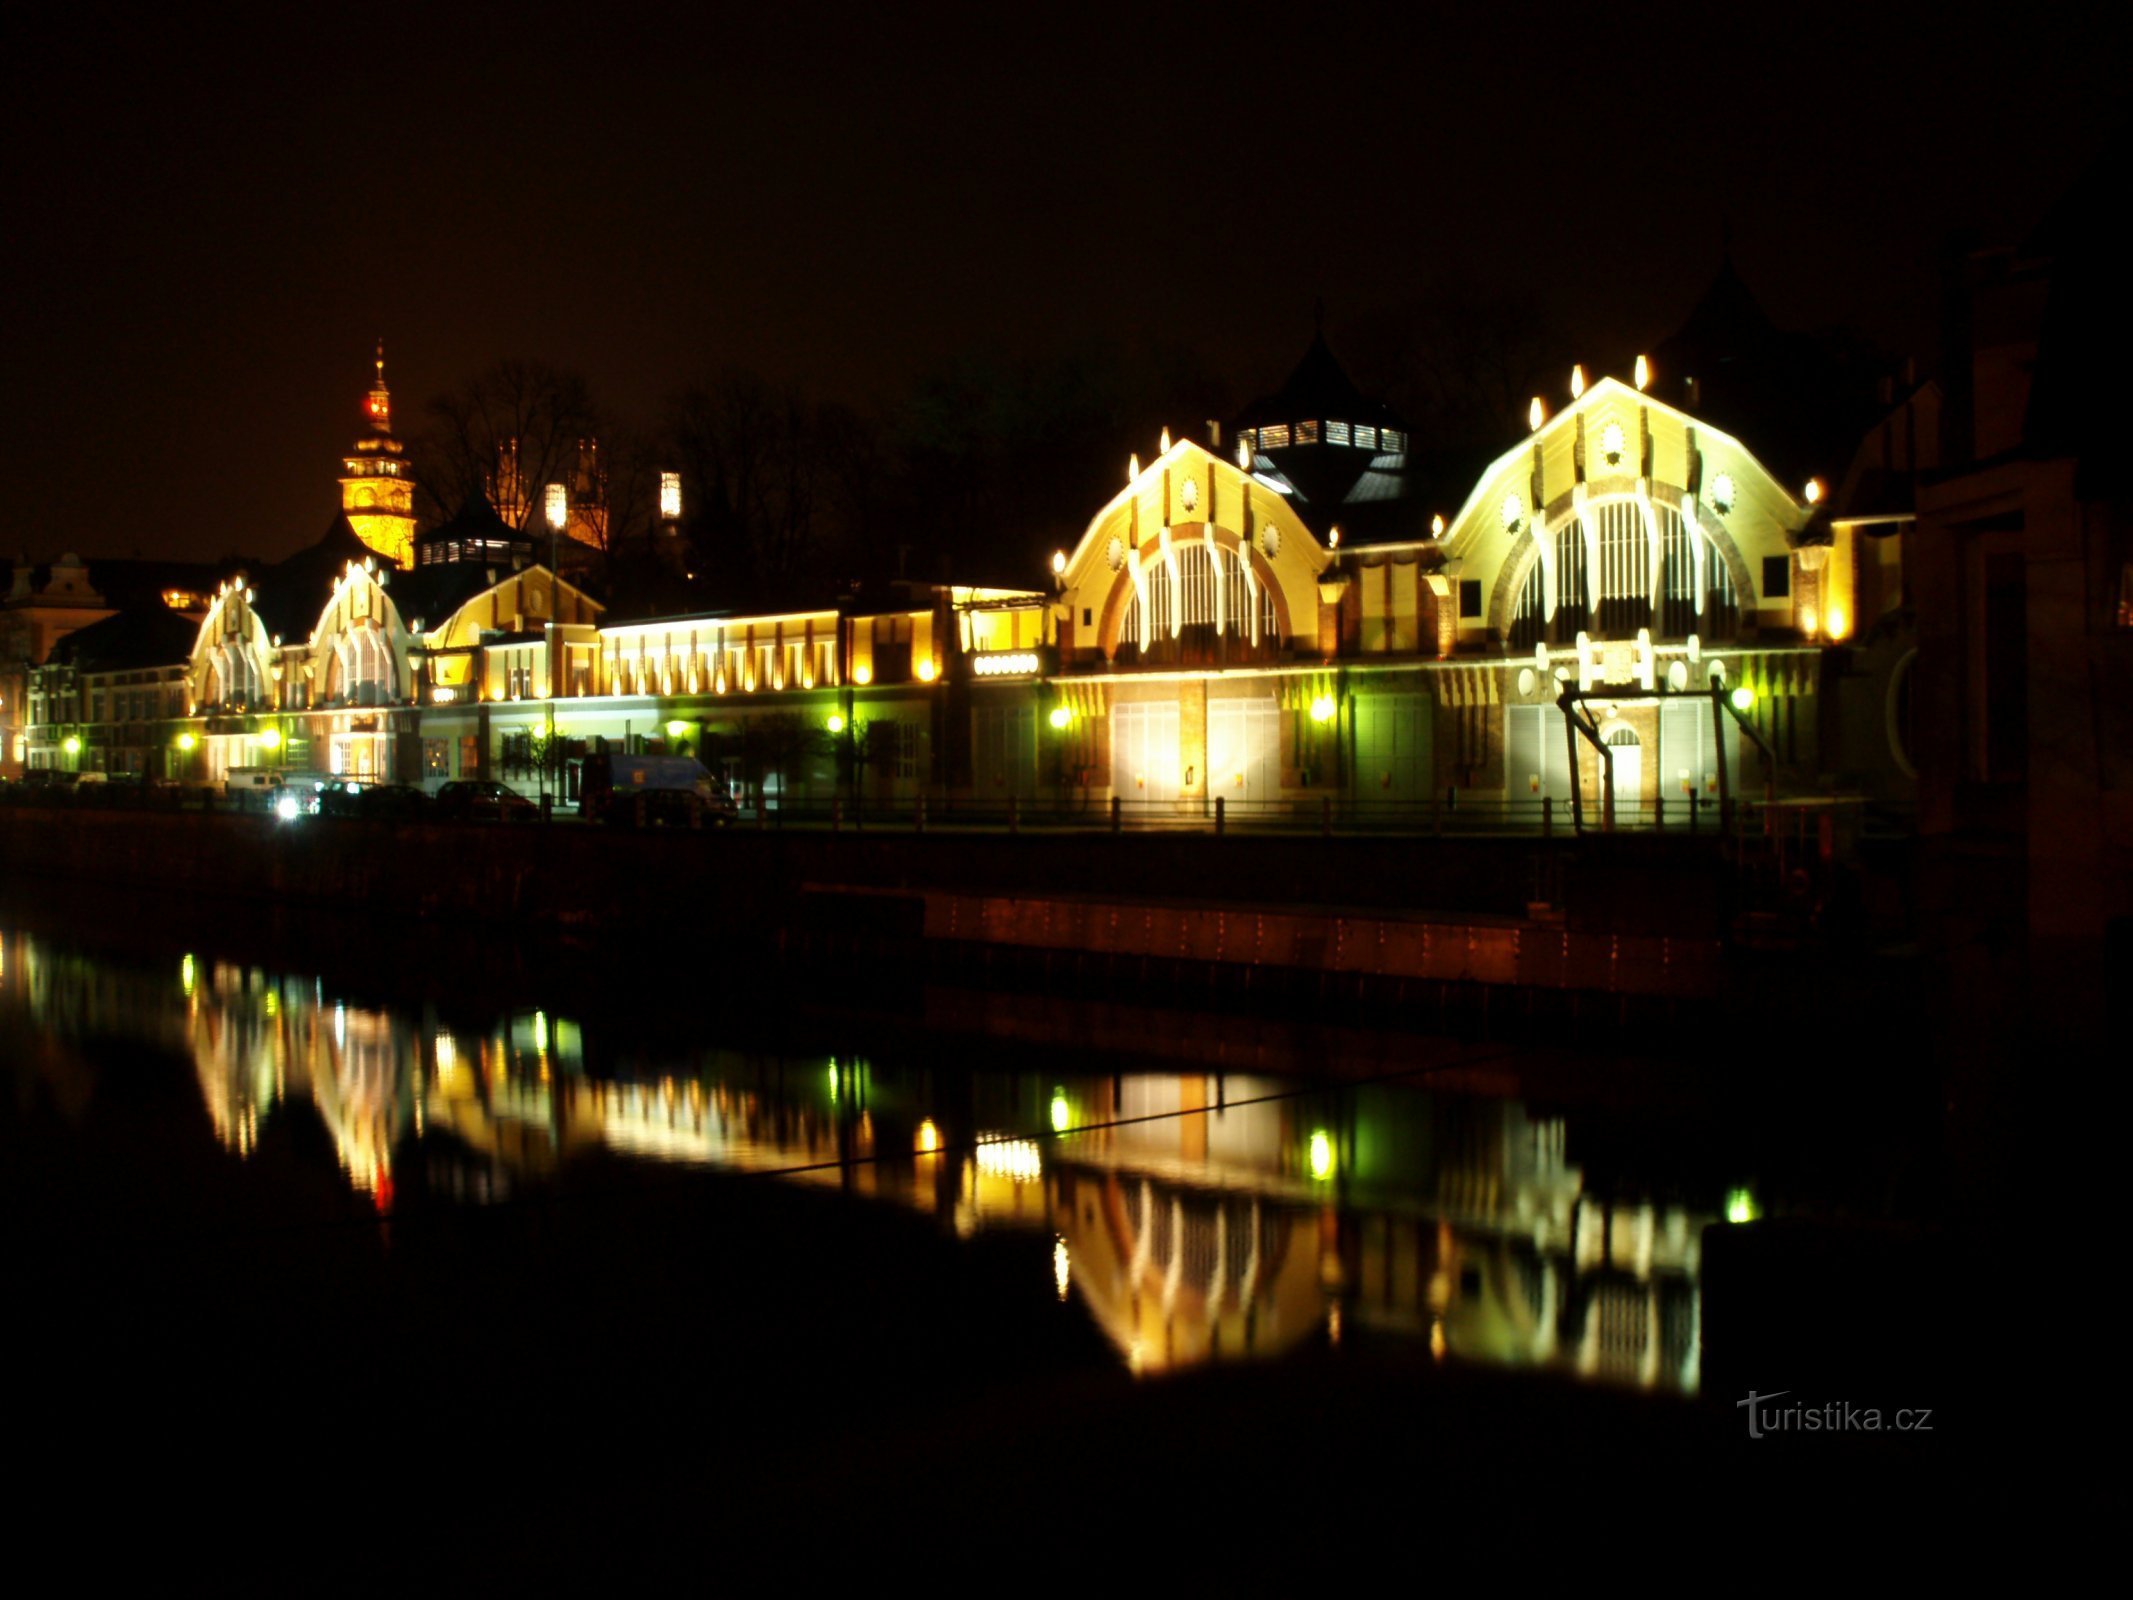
[{"x": 1319, "y": 389}]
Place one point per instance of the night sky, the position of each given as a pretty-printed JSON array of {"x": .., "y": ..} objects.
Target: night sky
[{"x": 208, "y": 221}]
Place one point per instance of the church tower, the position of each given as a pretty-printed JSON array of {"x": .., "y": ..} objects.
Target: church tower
[{"x": 378, "y": 482}]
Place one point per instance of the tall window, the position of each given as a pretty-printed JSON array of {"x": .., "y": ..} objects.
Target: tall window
[
  {"x": 1625, "y": 569},
  {"x": 1573, "y": 608},
  {"x": 362, "y": 670},
  {"x": 1208, "y": 612}
]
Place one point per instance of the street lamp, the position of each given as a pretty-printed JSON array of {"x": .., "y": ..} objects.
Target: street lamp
[{"x": 556, "y": 502}]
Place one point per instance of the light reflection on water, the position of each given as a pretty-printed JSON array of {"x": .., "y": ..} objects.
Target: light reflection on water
[{"x": 1193, "y": 1217}]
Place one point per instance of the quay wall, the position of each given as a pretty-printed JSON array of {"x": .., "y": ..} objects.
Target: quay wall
[{"x": 1616, "y": 916}]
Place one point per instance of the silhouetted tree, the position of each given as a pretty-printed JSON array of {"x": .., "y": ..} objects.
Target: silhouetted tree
[
  {"x": 550, "y": 412},
  {"x": 772, "y": 484}
]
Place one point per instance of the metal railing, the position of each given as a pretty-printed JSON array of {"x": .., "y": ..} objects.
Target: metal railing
[{"x": 1795, "y": 828}]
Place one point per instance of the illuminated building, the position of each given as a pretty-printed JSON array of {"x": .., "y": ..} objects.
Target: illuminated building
[
  {"x": 1625, "y": 552},
  {"x": 44, "y": 603},
  {"x": 1627, "y": 618},
  {"x": 118, "y": 689},
  {"x": 378, "y": 481}
]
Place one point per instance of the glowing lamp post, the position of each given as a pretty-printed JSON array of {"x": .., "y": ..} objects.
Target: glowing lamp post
[{"x": 555, "y": 502}]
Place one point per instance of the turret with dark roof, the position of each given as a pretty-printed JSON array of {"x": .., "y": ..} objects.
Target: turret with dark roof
[
  {"x": 476, "y": 534},
  {"x": 1340, "y": 456}
]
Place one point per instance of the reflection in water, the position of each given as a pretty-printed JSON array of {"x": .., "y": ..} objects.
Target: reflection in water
[{"x": 1195, "y": 1217}]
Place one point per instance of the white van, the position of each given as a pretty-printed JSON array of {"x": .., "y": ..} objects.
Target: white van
[{"x": 252, "y": 785}]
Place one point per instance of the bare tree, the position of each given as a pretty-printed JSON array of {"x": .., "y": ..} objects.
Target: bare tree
[
  {"x": 773, "y": 484},
  {"x": 507, "y": 433}
]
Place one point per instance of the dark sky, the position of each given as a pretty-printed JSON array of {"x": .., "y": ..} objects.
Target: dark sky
[{"x": 208, "y": 220}]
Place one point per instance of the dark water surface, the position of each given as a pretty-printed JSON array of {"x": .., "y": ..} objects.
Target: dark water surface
[{"x": 550, "y": 1259}]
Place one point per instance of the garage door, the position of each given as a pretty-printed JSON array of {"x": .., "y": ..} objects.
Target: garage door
[
  {"x": 1003, "y": 754},
  {"x": 1144, "y": 752},
  {"x": 1244, "y": 751},
  {"x": 1392, "y": 748}
]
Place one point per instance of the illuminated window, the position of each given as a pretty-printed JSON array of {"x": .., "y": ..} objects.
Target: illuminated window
[
  {"x": 1392, "y": 439},
  {"x": 1307, "y": 433},
  {"x": 1366, "y": 438},
  {"x": 1337, "y": 433},
  {"x": 1275, "y": 438}
]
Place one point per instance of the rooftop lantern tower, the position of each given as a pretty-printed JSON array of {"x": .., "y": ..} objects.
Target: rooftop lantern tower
[{"x": 377, "y": 480}]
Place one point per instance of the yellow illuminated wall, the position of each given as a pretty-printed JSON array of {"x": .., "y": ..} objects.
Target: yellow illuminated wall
[
  {"x": 1630, "y": 445},
  {"x": 1188, "y": 495}
]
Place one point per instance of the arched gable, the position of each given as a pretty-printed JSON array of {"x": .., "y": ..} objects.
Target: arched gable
[
  {"x": 1189, "y": 492},
  {"x": 358, "y": 651},
  {"x": 229, "y": 665},
  {"x": 1611, "y": 445},
  {"x": 1119, "y": 601}
]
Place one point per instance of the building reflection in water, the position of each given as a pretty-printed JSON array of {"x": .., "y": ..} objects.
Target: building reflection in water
[{"x": 1196, "y": 1218}]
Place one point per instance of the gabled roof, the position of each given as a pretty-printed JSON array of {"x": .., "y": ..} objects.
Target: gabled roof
[
  {"x": 1462, "y": 528},
  {"x": 129, "y": 640}
]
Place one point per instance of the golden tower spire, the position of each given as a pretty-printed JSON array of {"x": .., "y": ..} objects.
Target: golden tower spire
[{"x": 377, "y": 482}]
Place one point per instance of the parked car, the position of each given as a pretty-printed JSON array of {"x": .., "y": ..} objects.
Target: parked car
[
  {"x": 476, "y": 800},
  {"x": 341, "y": 798},
  {"x": 676, "y": 790},
  {"x": 392, "y": 802}
]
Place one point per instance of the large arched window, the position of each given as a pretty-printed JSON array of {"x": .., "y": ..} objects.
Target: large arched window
[
  {"x": 1211, "y": 609},
  {"x": 235, "y": 678},
  {"x": 1678, "y": 616},
  {"x": 1615, "y": 602},
  {"x": 362, "y": 672}
]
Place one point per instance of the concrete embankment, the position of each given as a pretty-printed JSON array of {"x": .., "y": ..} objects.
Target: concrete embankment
[{"x": 1622, "y": 917}]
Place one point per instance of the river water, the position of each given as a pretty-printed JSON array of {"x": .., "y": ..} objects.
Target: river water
[
  {"x": 1184, "y": 1217},
  {"x": 1051, "y": 1216}
]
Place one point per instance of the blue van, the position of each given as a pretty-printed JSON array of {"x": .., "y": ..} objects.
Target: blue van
[{"x": 678, "y": 791}]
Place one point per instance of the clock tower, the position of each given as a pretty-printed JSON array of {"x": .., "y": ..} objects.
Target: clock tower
[{"x": 377, "y": 480}]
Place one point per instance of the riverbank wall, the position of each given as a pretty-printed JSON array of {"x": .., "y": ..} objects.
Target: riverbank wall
[{"x": 1627, "y": 917}]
